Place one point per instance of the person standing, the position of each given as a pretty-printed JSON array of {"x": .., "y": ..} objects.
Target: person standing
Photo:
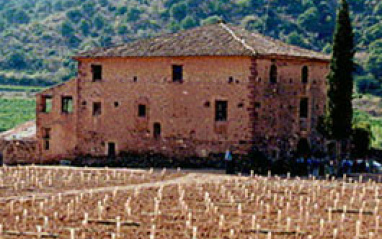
[{"x": 229, "y": 166}]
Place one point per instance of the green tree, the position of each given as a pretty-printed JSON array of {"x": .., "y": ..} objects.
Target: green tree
[
  {"x": 16, "y": 16},
  {"x": 122, "y": 10},
  {"x": 188, "y": 22},
  {"x": 374, "y": 62},
  {"x": 309, "y": 19},
  {"x": 211, "y": 20},
  {"x": 99, "y": 22},
  {"x": 67, "y": 29},
  {"x": 179, "y": 11},
  {"x": 17, "y": 60},
  {"x": 85, "y": 27},
  {"x": 295, "y": 39},
  {"x": 103, "y": 3},
  {"x": 89, "y": 8},
  {"x": 339, "y": 110},
  {"x": 122, "y": 29},
  {"x": 361, "y": 140},
  {"x": 252, "y": 23},
  {"x": 133, "y": 14},
  {"x": 373, "y": 33},
  {"x": 74, "y": 15}
]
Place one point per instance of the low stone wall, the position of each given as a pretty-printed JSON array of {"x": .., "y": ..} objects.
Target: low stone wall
[{"x": 20, "y": 152}]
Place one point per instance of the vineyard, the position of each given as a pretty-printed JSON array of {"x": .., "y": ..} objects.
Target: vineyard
[{"x": 60, "y": 202}]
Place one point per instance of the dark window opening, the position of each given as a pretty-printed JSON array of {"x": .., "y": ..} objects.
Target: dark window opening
[
  {"x": 97, "y": 72},
  {"x": 240, "y": 105},
  {"x": 46, "y": 133},
  {"x": 273, "y": 74},
  {"x": 221, "y": 113},
  {"x": 304, "y": 108},
  {"x": 46, "y": 104},
  {"x": 97, "y": 108},
  {"x": 46, "y": 144},
  {"x": 304, "y": 74},
  {"x": 67, "y": 104},
  {"x": 116, "y": 104},
  {"x": 46, "y": 138},
  {"x": 157, "y": 130},
  {"x": 230, "y": 80},
  {"x": 135, "y": 79},
  {"x": 207, "y": 104},
  {"x": 111, "y": 149},
  {"x": 142, "y": 111},
  {"x": 177, "y": 73}
]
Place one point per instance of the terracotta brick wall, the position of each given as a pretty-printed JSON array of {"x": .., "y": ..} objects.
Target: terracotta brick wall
[
  {"x": 278, "y": 126},
  {"x": 63, "y": 138},
  {"x": 186, "y": 111},
  {"x": 258, "y": 112}
]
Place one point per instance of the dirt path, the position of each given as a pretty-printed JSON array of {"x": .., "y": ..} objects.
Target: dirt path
[{"x": 186, "y": 179}]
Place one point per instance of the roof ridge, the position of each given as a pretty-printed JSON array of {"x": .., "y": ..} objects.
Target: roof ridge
[{"x": 230, "y": 31}]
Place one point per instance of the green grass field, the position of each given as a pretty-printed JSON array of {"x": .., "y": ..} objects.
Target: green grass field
[
  {"x": 19, "y": 88},
  {"x": 16, "y": 111}
]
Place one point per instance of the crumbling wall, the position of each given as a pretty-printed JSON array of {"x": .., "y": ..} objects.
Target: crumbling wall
[
  {"x": 278, "y": 126},
  {"x": 62, "y": 126},
  {"x": 20, "y": 152}
]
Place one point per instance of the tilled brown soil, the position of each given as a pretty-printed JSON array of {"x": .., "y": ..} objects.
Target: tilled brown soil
[{"x": 65, "y": 203}]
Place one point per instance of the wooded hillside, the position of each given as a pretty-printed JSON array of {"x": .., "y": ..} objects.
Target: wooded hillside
[{"x": 37, "y": 37}]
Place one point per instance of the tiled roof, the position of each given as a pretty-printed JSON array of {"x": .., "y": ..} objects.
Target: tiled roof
[{"x": 212, "y": 40}]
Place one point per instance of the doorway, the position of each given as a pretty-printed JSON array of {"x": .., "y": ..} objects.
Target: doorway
[
  {"x": 157, "y": 130},
  {"x": 111, "y": 150}
]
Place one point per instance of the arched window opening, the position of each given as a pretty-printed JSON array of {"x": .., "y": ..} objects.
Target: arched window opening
[
  {"x": 157, "y": 130},
  {"x": 273, "y": 74},
  {"x": 304, "y": 74}
]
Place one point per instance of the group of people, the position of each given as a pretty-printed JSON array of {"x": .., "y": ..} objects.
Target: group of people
[
  {"x": 320, "y": 166},
  {"x": 316, "y": 165}
]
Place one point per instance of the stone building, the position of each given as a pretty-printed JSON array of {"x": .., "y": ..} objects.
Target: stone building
[{"x": 190, "y": 93}]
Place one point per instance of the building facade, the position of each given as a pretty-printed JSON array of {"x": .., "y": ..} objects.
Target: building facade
[{"x": 191, "y": 93}]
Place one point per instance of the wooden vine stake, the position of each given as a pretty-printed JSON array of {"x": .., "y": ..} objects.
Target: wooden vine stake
[{"x": 358, "y": 229}]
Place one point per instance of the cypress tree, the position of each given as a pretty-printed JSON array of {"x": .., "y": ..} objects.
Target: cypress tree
[{"x": 339, "y": 110}]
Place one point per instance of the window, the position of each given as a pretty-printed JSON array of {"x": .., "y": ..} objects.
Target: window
[
  {"x": 46, "y": 138},
  {"x": 221, "y": 110},
  {"x": 177, "y": 73},
  {"x": 142, "y": 111},
  {"x": 157, "y": 130},
  {"x": 97, "y": 72},
  {"x": 304, "y": 108},
  {"x": 97, "y": 108},
  {"x": 273, "y": 74},
  {"x": 46, "y": 104},
  {"x": 66, "y": 104},
  {"x": 304, "y": 74}
]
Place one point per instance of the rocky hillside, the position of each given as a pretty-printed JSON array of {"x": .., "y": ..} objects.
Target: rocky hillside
[{"x": 37, "y": 37}]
